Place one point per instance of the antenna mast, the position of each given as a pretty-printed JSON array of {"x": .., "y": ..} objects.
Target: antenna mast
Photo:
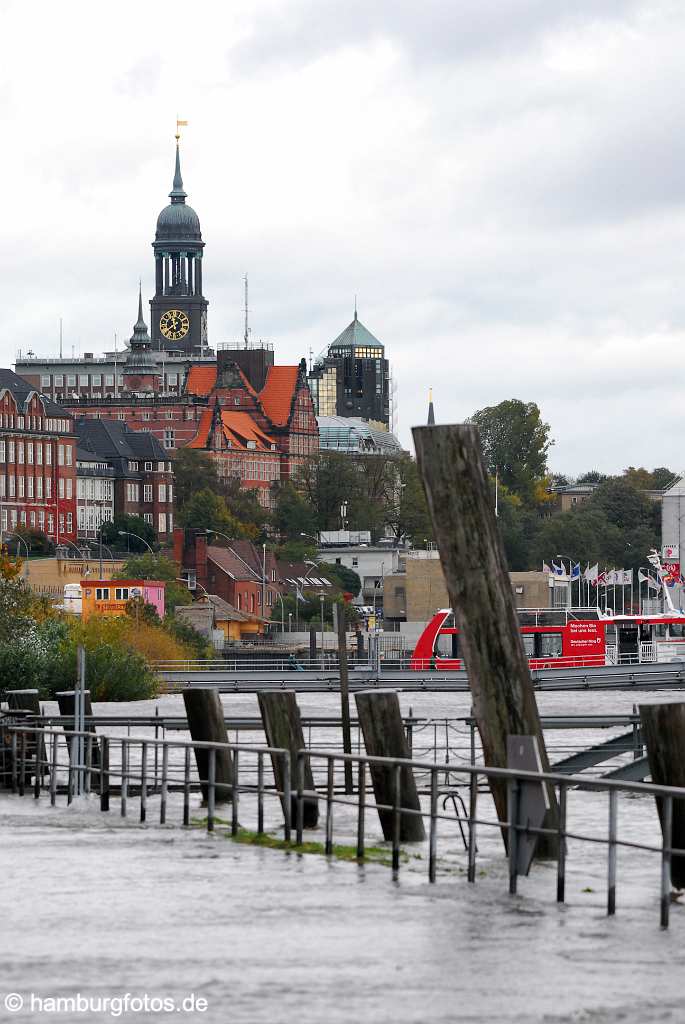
[
  {"x": 60, "y": 337},
  {"x": 247, "y": 329}
]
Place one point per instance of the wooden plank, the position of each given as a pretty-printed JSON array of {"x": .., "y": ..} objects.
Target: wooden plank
[
  {"x": 283, "y": 728},
  {"x": 461, "y": 505},
  {"x": 384, "y": 736},
  {"x": 663, "y": 730},
  {"x": 206, "y": 723}
]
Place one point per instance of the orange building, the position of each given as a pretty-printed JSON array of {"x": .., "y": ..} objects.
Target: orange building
[{"x": 110, "y": 597}]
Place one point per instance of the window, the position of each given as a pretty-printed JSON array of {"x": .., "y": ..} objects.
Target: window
[
  {"x": 81, "y": 518},
  {"x": 60, "y": 490},
  {"x": 48, "y": 454},
  {"x": 59, "y": 380},
  {"x": 162, "y": 493},
  {"x": 13, "y": 484},
  {"x": 170, "y": 521},
  {"x": 21, "y": 486},
  {"x": 39, "y": 486},
  {"x": 2, "y": 451},
  {"x": 355, "y": 561},
  {"x": 67, "y": 452},
  {"x": 2, "y": 486},
  {"x": 169, "y": 415},
  {"x": 550, "y": 645},
  {"x": 83, "y": 380},
  {"x": 148, "y": 467},
  {"x": 41, "y": 520},
  {"x": 20, "y": 453},
  {"x": 162, "y": 522},
  {"x": 172, "y": 379},
  {"x": 147, "y": 516},
  {"x": 29, "y": 487},
  {"x": 51, "y": 524},
  {"x": 39, "y": 453},
  {"x": 147, "y": 492},
  {"x": 121, "y": 416},
  {"x": 48, "y": 487},
  {"x": 169, "y": 439},
  {"x": 71, "y": 380},
  {"x": 10, "y": 457},
  {"x": 121, "y": 593},
  {"x": 96, "y": 380},
  {"x": 45, "y": 381},
  {"x": 69, "y": 487},
  {"x": 70, "y": 522},
  {"x": 133, "y": 466},
  {"x": 29, "y": 453},
  {"x": 170, "y": 493},
  {"x": 102, "y": 594},
  {"x": 109, "y": 380},
  {"x": 60, "y": 455},
  {"x": 22, "y": 517},
  {"x": 147, "y": 416}
]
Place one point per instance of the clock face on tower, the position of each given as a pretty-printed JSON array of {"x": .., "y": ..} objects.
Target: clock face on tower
[{"x": 174, "y": 324}]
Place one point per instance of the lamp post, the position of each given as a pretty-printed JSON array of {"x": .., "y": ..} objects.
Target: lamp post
[
  {"x": 22, "y": 541},
  {"x": 127, "y": 533}
]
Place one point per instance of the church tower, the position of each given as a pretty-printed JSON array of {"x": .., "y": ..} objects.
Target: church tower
[
  {"x": 141, "y": 372},
  {"x": 179, "y": 309}
]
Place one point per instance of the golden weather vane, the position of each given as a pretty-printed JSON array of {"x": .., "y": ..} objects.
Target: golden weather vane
[{"x": 179, "y": 124}]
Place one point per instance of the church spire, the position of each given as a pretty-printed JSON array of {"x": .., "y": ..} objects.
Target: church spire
[
  {"x": 431, "y": 410},
  {"x": 177, "y": 195},
  {"x": 140, "y": 337}
]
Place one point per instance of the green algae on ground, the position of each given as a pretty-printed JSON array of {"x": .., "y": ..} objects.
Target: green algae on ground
[{"x": 266, "y": 840}]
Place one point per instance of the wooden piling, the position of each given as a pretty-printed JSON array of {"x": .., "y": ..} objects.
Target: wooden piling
[
  {"x": 283, "y": 728},
  {"x": 461, "y": 505},
  {"x": 206, "y": 723},
  {"x": 663, "y": 730},
  {"x": 381, "y": 723}
]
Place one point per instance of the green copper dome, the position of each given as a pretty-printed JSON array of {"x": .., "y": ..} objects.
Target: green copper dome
[{"x": 178, "y": 221}]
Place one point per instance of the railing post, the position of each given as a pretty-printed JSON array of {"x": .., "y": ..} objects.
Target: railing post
[
  {"x": 561, "y": 857},
  {"x": 89, "y": 763},
  {"x": 473, "y": 808},
  {"x": 361, "y": 809},
  {"x": 396, "y": 819},
  {"x": 329, "y": 807},
  {"x": 165, "y": 784},
  {"x": 53, "y": 769},
  {"x": 287, "y": 797},
  {"x": 300, "y": 797},
  {"x": 433, "y": 838},
  {"x": 667, "y": 839},
  {"x": 72, "y": 769},
  {"x": 124, "y": 776},
  {"x": 260, "y": 793},
  {"x": 186, "y": 787},
  {"x": 613, "y": 820},
  {"x": 234, "y": 793},
  {"x": 39, "y": 747},
  {"x": 211, "y": 787},
  {"x": 14, "y": 762},
  {"x": 513, "y": 816},
  {"x": 22, "y": 764},
  {"x": 104, "y": 774},
  {"x": 143, "y": 781}
]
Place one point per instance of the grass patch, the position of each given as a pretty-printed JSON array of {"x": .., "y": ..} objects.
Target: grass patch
[{"x": 266, "y": 840}]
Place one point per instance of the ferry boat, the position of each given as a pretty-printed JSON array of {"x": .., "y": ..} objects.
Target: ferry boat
[{"x": 565, "y": 638}]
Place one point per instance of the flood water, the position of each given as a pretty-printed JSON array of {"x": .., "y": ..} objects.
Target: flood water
[{"x": 101, "y": 906}]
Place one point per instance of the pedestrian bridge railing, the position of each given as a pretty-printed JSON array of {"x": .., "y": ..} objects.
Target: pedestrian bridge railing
[{"x": 71, "y": 763}]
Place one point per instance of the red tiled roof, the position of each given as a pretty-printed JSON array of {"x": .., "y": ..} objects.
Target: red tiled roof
[
  {"x": 239, "y": 428},
  {"x": 205, "y": 425},
  {"x": 201, "y": 380},
  {"x": 277, "y": 394}
]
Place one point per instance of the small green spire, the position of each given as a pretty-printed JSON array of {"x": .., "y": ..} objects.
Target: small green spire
[{"x": 177, "y": 195}]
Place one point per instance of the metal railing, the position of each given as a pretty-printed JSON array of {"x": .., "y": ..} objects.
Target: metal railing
[{"x": 28, "y": 756}]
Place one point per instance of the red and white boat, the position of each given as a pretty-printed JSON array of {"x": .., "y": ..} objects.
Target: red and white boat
[{"x": 565, "y": 638}]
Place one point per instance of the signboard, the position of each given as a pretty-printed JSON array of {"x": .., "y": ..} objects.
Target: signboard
[
  {"x": 523, "y": 753},
  {"x": 583, "y": 637},
  {"x": 671, "y": 552}
]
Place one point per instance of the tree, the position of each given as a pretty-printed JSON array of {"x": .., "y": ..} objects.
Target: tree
[
  {"x": 193, "y": 471},
  {"x": 592, "y": 477},
  {"x": 244, "y": 504},
  {"x": 207, "y": 511},
  {"x": 327, "y": 480},
  {"x": 658, "y": 479},
  {"x": 347, "y": 579},
  {"x": 515, "y": 444},
  {"x": 293, "y": 516},
  {"x": 130, "y": 525}
]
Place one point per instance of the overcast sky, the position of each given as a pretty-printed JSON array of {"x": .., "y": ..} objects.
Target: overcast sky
[{"x": 501, "y": 182}]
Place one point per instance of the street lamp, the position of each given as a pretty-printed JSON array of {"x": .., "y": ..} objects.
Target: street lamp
[
  {"x": 22, "y": 541},
  {"x": 127, "y": 533}
]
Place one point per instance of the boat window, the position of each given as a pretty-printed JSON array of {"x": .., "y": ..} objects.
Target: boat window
[
  {"x": 659, "y": 630},
  {"x": 675, "y": 630},
  {"x": 446, "y": 645},
  {"x": 529, "y": 644},
  {"x": 550, "y": 645}
]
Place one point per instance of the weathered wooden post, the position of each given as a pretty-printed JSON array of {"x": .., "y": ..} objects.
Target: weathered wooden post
[
  {"x": 283, "y": 729},
  {"x": 345, "y": 697},
  {"x": 206, "y": 724},
  {"x": 663, "y": 729},
  {"x": 460, "y": 501},
  {"x": 312, "y": 647},
  {"x": 381, "y": 723}
]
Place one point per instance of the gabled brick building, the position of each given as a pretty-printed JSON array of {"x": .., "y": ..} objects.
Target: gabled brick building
[
  {"x": 37, "y": 462},
  {"x": 233, "y": 572}
]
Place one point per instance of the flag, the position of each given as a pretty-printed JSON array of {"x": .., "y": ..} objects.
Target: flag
[
  {"x": 180, "y": 124},
  {"x": 558, "y": 570},
  {"x": 649, "y": 580},
  {"x": 601, "y": 580},
  {"x": 627, "y": 577},
  {"x": 653, "y": 557},
  {"x": 591, "y": 573},
  {"x": 575, "y": 571},
  {"x": 546, "y": 568}
]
